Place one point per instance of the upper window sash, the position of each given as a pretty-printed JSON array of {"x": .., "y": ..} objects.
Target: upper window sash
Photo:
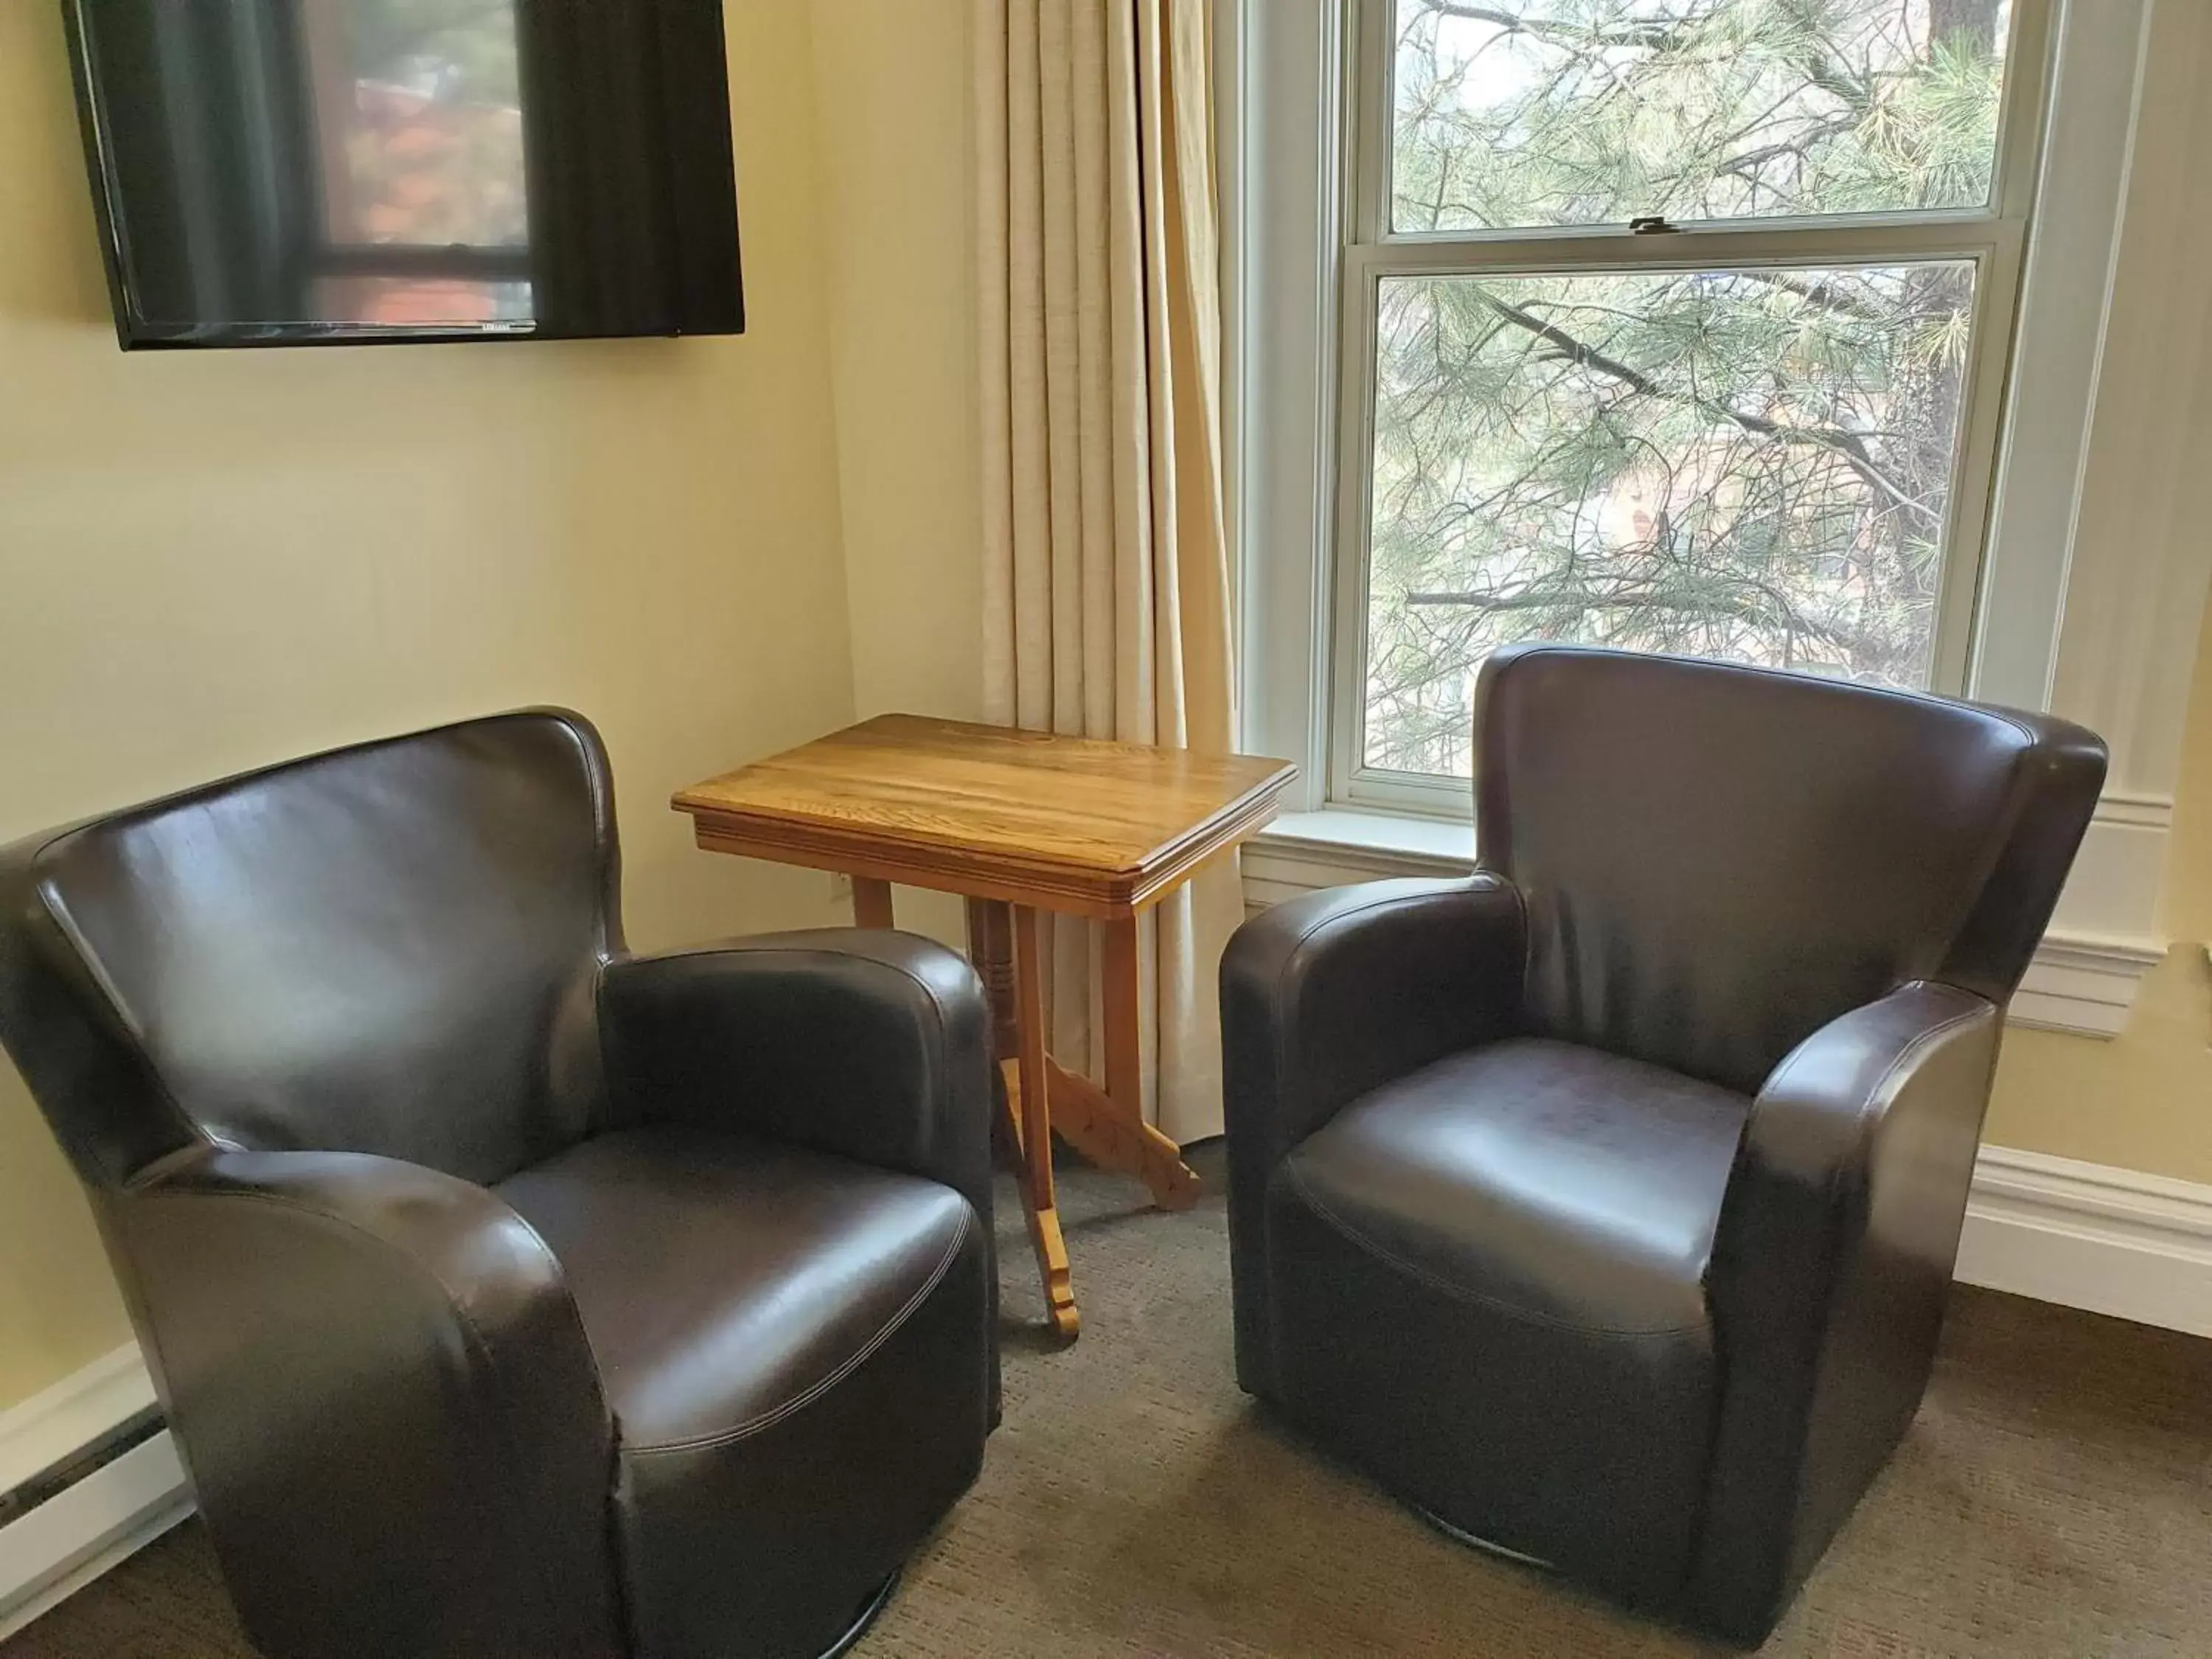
[{"x": 1369, "y": 94}]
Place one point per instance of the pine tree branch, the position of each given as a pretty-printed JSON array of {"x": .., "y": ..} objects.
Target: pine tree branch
[
  {"x": 1826, "y": 296},
  {"x": 1657, "y": 33},
  {"x": 1848, "y": 445},
  {"x": 1573, "y": 599}
]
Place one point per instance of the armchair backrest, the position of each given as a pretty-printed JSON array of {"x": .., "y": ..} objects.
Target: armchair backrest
[
  {"x": 1717, "y": 861},
  {"x": 392, "y": 948}
]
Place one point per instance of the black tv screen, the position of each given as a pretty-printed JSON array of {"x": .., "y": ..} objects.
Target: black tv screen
[{"x": 323, "y": 172}]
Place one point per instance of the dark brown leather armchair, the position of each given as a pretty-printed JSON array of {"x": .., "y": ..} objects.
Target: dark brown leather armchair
[
  {"x": 1604, "y": 1205},
  {"x": 510, "y": 1295}
]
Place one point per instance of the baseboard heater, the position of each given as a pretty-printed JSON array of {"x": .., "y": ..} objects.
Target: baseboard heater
[{"x": 65, "y": 1525}]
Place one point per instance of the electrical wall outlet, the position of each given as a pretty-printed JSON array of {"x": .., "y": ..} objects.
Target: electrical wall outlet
[{"x": 841, "y": 888}]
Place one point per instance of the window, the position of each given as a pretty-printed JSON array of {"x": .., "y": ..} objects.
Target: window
[
  {"x": 2062, "y": 574},
  {"x": 1670, "y": 325}
]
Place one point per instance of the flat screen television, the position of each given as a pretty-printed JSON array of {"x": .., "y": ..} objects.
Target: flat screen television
[{"x": 330, "y": 172}]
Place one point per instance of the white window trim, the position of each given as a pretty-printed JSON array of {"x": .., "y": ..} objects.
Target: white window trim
[
  {"x": 2099, "y": 624},
  {"x": 1993, "y": 241}
]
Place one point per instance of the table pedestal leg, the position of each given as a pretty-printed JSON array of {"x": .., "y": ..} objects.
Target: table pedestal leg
[
  {"x": 991, "y": 948},
  {"x": 871, "y": 902},
  {"x": 1030, "y": 1105},
  {"x": 1107, "y": 1126}
]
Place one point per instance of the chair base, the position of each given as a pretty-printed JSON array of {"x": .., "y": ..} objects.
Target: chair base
[
  {"x": 870, "y": 1610},
  {"x": 1476, "y": 1541},
  {"x": 1736, "y": 1636}
]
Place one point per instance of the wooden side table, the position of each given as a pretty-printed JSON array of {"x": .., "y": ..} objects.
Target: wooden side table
[{"x": 1017, "y": 823}]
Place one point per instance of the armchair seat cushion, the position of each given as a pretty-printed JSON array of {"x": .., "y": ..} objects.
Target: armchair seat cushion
[
  {"x": 793, "y": 1347},
  {"x": 1571, "y": 1186},
  {"x": 723, "y": 1280},
  {"x": 1488, "y": 1278}
]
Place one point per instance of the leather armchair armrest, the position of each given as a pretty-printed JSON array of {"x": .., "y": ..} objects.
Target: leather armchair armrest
[
  {"x": 872, "y": 1045},
  {"x": 381, "y": 1385},
  {"x": 1327, "y": 996},
  {"x": 1831, "y": 1268}
]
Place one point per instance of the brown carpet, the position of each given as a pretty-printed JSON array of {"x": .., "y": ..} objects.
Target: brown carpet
[{"x": 2054, "y": 1499}]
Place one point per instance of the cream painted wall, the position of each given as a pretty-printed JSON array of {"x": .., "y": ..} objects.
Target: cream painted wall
[
  {"x": 207, "y": 562},
  {"x": 893, "y": 91},
  {"x": 2143, "y": 1100}
]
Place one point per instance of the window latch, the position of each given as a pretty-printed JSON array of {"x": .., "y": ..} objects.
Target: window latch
[{"x": 1653, "y": 224}]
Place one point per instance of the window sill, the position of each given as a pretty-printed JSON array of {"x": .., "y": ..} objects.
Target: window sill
[
  {"x": 1442, "y": 847},
  {"x": 2082, "y": 983}
]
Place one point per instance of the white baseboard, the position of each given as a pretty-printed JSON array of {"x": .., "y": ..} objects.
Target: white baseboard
[
  {"x": 81, "y": 1532},
  {"x": 72, "y": 1538},
  {"x": 2088, "y": 1235},
  {"x": 47, "y": 1430}
]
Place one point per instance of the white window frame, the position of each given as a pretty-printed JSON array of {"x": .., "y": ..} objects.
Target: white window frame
[
  {"x": 2097, "y": 620},
  {"x": 1993, "y": 238}
]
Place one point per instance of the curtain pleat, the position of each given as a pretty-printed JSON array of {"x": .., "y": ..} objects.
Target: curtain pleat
[{"x": 1106, "y": 585}]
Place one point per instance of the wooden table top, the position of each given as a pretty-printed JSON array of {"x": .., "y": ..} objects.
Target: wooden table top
[{"x": 1071, "y": 824}]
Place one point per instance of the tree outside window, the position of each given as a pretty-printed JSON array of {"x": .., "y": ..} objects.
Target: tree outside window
[{"x": 1753, "y": 460}]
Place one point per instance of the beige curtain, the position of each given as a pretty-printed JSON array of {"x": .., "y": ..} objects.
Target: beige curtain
[{"x": 1106, "y": 584}]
